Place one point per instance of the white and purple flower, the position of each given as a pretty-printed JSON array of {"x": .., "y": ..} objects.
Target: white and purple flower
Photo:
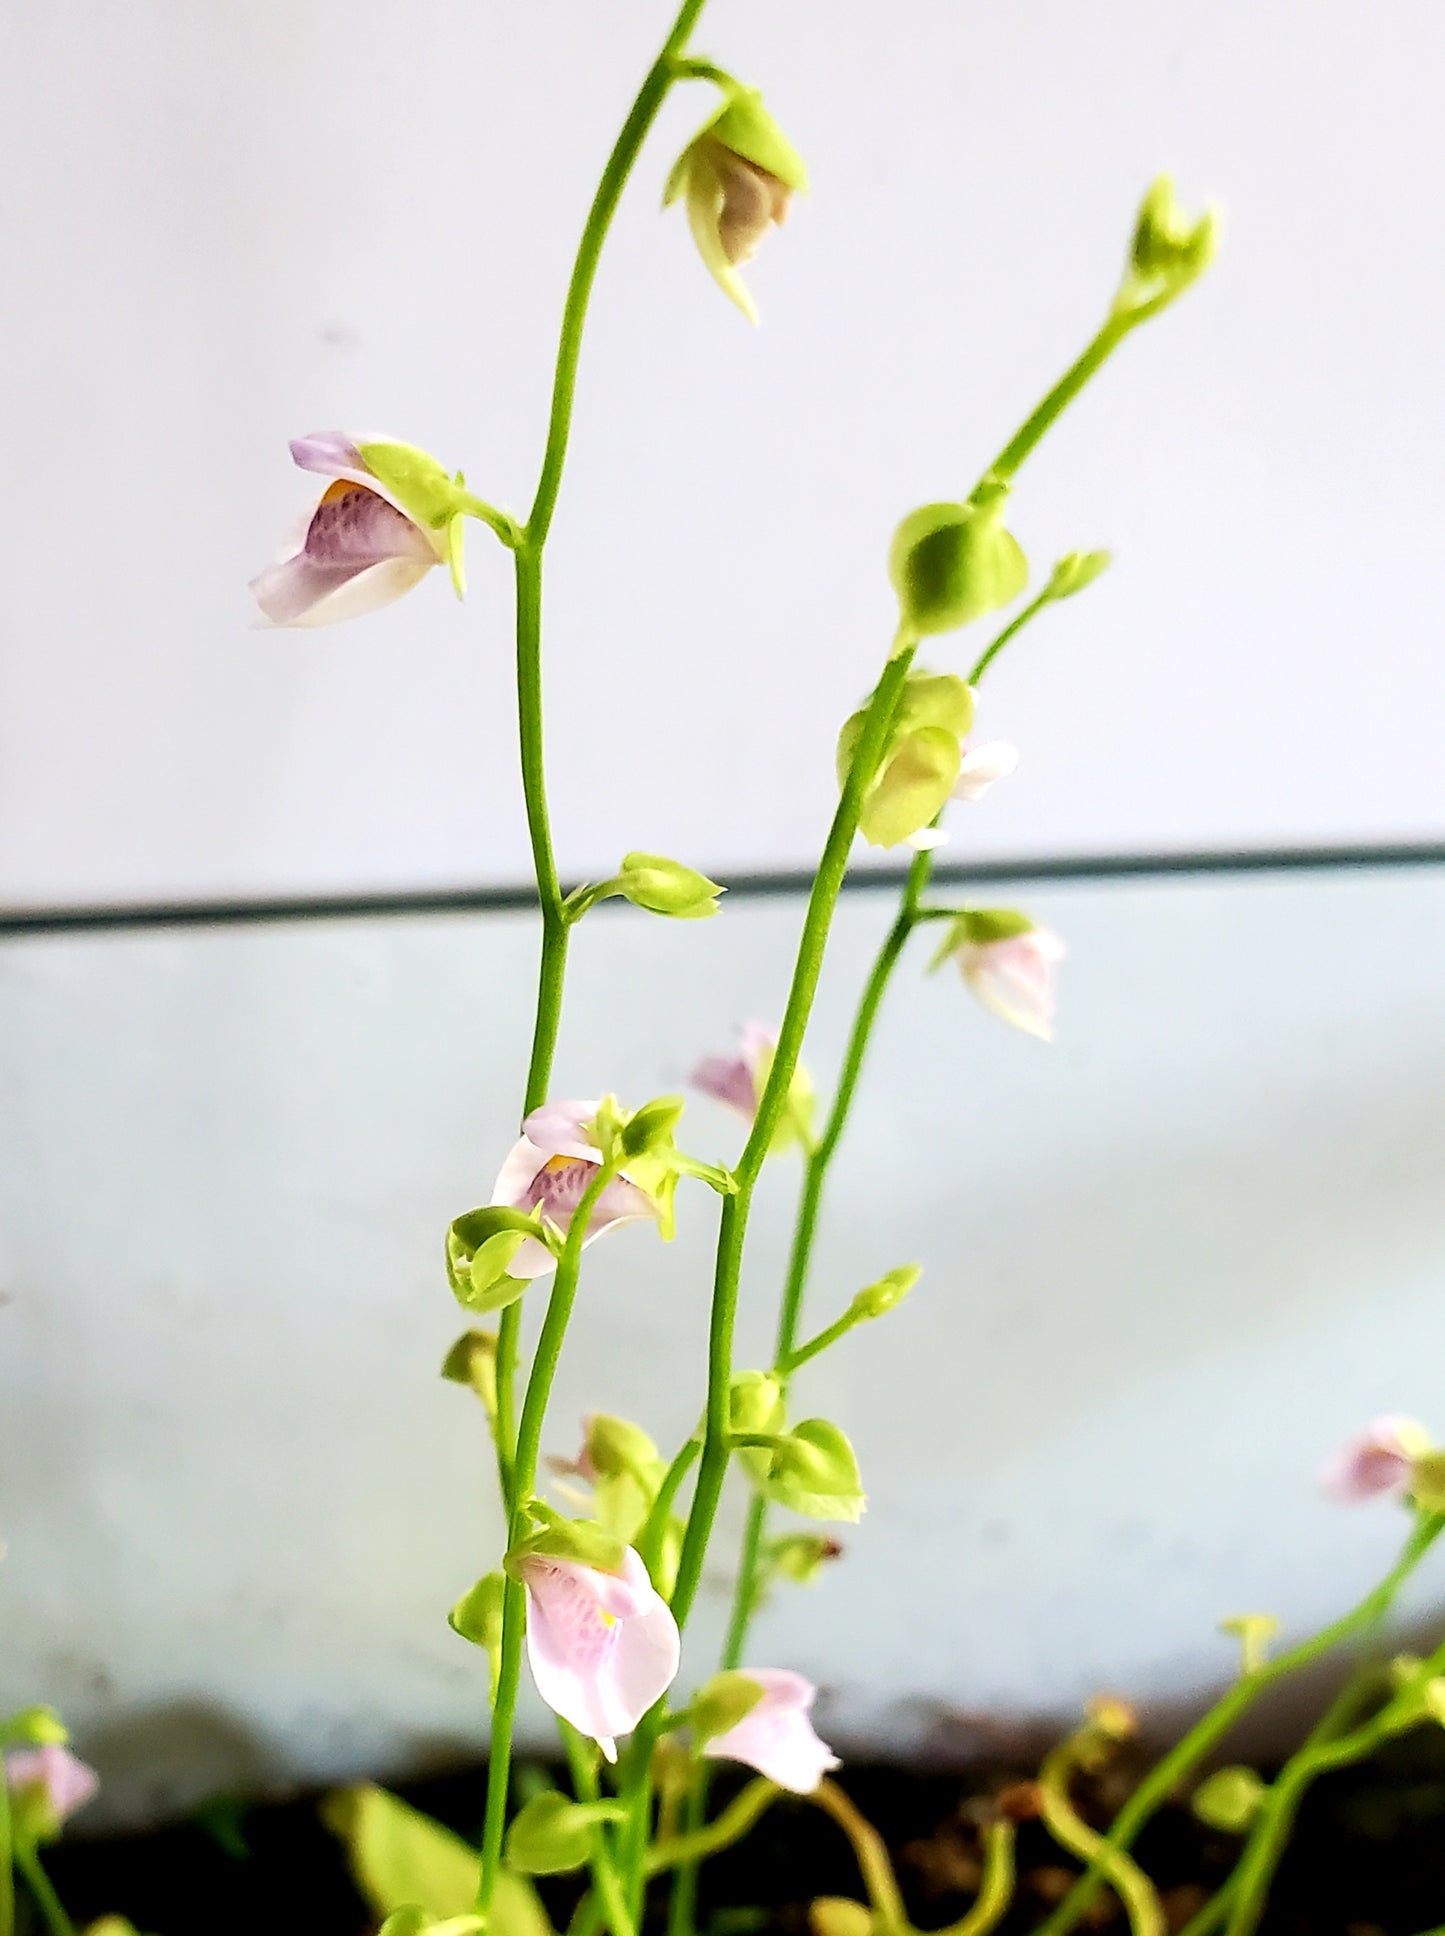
[
  {"x": 602, "y": 1646},
  {"x": 360, "y": 548},
  {"x": 552, "y": 1168},
  {"x": 48, "y": 1785},
  {"x": 776, "y": 1736},
  {"x": 736, "y": 1080},
  {"x": 1380, "y": 1460},
  {"x": 1013, "y": 976}
]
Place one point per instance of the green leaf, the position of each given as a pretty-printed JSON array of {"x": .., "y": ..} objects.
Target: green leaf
[
  {"x": 813, "y": 1471},
  {"x": 402, "y": 1859}
]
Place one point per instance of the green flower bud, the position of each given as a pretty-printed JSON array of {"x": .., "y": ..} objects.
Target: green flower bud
[
  {"x": 721, "y": 1703},
  {"x": 839, "y": 1916},
  {"x": 557, "y": 1538},
  {"x": 551, "y": 1833},
  {"x": 664, "y": 886},
  {"x": 1075, "y": 570},
  {"x": 34, "y": 1727},
  {"x": 480, "y": 1246},
  {"x": 421, "y": 486},
  {"x": 886, "y": 1294},
  {"x": 1168, "y": 251},
  {"x": 755, "y": 1406},
  {"x": 615, "y": 1446},
  {"x": 649, "y": 1130},
  {"x": 477, "y": 1617},
  {"x": 951, "y": 563},
  {"x": 800, "y": 1557},
  {"x": 1229, "y": 1799},
  {"x": 812, "y": 1471},
  {"x": 472, "y": 1361}
]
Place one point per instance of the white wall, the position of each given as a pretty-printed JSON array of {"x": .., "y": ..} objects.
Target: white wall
[
  {"x": 227, "y": 226},
  {"x": 1170, "y": 1263}
]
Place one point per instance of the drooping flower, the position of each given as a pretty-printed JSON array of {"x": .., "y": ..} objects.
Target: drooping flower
[
  {"x": 1013, "y": 975},
  {"x": 737, "y": 1081},
  {"x": 551, "y": 1169},
  {"x": 48, "y": 1785},
  {"x": 365, "y": 543},
  {"x": 994, "y": 760},
  {"x": 602, "y": 1646},
  {"x": 1380, "y": 1460},
  {"x": 776, "y": 1736},
  {"x": 737, "y": 177}
]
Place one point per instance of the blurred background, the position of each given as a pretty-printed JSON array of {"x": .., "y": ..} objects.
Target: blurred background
[{"x": 1170, "y": 1261}]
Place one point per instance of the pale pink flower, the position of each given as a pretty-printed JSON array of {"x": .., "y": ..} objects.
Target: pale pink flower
[
  {"x": 551, "y": 1169},
  {"x": 1014, "y": 977},
  {"x": 602, "y": 1646},
  {"x": 359, "y": 549},
  {"x": 737, "y": 1080},
  {"x": 52, "y": 1781},
  {"x": 982, "y": 765},
  {"x": 1378, "y": 1461},
  {"x": 776, "y": 1737}
]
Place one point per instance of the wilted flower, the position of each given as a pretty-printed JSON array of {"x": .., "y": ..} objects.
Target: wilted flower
[
  {"x": 775, "y": 1736},
  {"x": 1012, "y": 974},
  {"x": 737, "y": 176},
  {"x": 603, "y": 1646},
  {"x": 365, "y": 543},
  {"x": 48, "y": 1785},
  {"x": 738, "y": 1080},
  {"x": 551, "y": 1169},
  {"x": 1380, "y": 1460}
]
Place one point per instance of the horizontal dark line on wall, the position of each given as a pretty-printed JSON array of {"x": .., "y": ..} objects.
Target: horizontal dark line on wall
[{"x": 500, "y": 900}]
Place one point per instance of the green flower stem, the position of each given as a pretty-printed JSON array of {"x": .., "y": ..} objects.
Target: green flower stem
[
  {"x": 734, "y": 1822},
  {"x": 524, "y": 1480},
  {"x": 508, "y": 1333},
  {"x": 1029, "y": 434},
  {"x": 7, "y": 1860},
  {"x": 871, "y": 1853},
  {"x": 839, "y": 1328},
  {"x": 586, "y": 1917},
  {"x": 1134, "y": 1889},
  {"x": 649, "y": 1540},
  {"x": 1009, "y": 633},
  {"x": 38, "y": 1882},
  {"x": 606, "y": 1884},
  {"x": 997, "y": 1887},
  {"x": 1186, "y": 1755},
  {"x": 660, "y": 77},
  {"x": 534, "y": 787}
]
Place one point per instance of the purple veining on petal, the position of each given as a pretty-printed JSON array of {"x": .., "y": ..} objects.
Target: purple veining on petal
[{"x": 354, "y": 527}]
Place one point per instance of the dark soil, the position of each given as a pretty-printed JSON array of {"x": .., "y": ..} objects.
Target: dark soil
[{"x": 1368, "y": 1859}]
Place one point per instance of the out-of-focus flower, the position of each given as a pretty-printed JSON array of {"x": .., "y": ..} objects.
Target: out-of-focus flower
[
  {"x": 1008, "y": 963},
  {"x": 602, "y": 1646},
  {"x": 48, "y": 1784},
  {"x": 1380, "y": 1460},
  {"x": 736, "y": 177},
  {"x": 738, "y": 1080},
  {"x": 378, "y": 529},
  {"x": 551, "y": 1169},
  {"x": 775, "y": 1735}
]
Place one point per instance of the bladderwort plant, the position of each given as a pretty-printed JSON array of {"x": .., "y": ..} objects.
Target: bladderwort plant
[{"x": 598, "y": 1603}]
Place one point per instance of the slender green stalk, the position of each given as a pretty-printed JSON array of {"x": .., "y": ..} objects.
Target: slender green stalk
[
  {"x": 553, "y": 966},
  {"x": 1009, "y": 633},
  {"x": 734, "y": 1822},
  {"x": 997, "y": 1887},
  {"x": 871, "y": 1853},
  {"x": 1130, "y": 1884},
  {"x": 1186, "y": 1755},
  {"x": 1029, "y": 433},
  {"x": 514, "y": 1607},
  {"x": 508, "y": 1335},
  {"x": 7, "y": 1859},
  {"x": 39, "y": 1884},
  {"x": 654, "y": 1531}
]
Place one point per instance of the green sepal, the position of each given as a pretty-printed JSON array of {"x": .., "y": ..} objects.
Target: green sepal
[
  {"x": 34, "y": 1727},
  {"x": 916, "y": 779},
  {"x": 742, "y": 123},
  {"x": 456, "y": 553},
  {"x": 875, "y": 1300},
  {"x": 812, "y": 1470},
  {"x": 1168, "y": 250},
  {"x": 650, "y": 1128},
  {"x": 1075, "y": 570},
  {"x": 664, "y": 886},
  {"x": 472, "y": 1361},
  {"x": 551, "y": 1833},
  {"x": 719, "y": 1704},
  {"x": 477, "y": 1617},
  {"x": 1229, "y": 1799},
  {"x": 979, "y": 926},
  {"x": 403, "y": 1860},
  {"x": 558, "y": 1538},
  {"x": 800, "y": 1557},
  {"x": 480, "y": 1245},
  {"x": 423, "y": 488},
  {"x": 952, "y": 563},
  {"x": 1427, "y": 1481}
]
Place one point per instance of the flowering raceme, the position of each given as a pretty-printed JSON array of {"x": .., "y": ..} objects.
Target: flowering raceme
[
  {"x": 380, "y": 526},
  {"x": 602, "y": 1646},
  {"x": 775, "y": 1735}
]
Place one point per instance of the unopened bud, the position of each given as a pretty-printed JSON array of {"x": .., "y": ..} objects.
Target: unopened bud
[
  {"x": 952, "y": 563},
  {"x": 1229, "y": 1799}
]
